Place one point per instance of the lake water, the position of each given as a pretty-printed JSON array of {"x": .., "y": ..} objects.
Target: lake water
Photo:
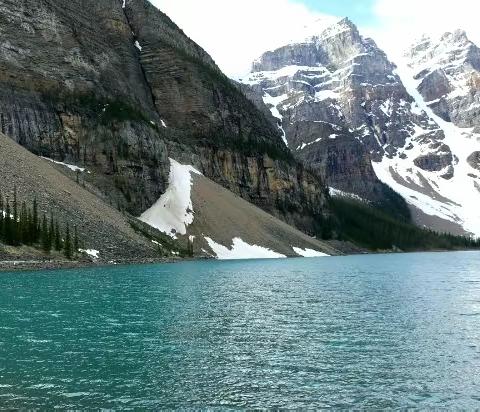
[{"x": 361, "y": 331}]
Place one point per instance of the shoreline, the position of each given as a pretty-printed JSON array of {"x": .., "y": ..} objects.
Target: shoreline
[{"x": 31, "y": 265}]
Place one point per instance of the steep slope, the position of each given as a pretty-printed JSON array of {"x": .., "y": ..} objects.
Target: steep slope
[
  {"x": 100, "y": 227},
  {"x": 441, "y": 178},
  {"x": 71, "y": 89},
  {"x": 215, "y": 216},
  {"x": 117, "y": 87},
  {"x": 222, "y": 224},
  {"x": 215, "y": 127},
  {"x": 340, "y": 105}
]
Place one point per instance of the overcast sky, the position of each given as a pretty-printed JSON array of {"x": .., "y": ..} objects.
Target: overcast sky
[{"x": 236, "y": 32}]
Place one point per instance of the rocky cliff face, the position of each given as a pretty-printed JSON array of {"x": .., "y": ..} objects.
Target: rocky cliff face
[
  {"x": 215, "y": 127},
  {"x": 358, "y": 118},
  {"x": 118, "y": 87},
  {"x": 439, "y": 176},
  {"x": 339, "y": 104},
  {"x": 72, "y": 89},
  {"x": 448, "y": 74}
]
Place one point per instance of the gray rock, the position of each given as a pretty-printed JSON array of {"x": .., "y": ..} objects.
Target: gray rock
[
  {"x": 448, "y": 69},
  {"x": 74, "y": 87},
  {"x": 339, "y": 82},
  {"x": 474, "y": 160}
]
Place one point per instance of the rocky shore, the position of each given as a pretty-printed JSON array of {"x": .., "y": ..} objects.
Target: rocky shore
[{"x": 29, "y": 265}]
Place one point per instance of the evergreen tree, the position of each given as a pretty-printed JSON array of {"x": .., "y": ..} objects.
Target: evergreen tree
[
  {"x": 15, "y": 225},
  {"x": 68, "y": 243},
  {"x": 58, "y": 239},
  {"x": 29, "y": 227},
  {"x": 2, "y": 220},
  {"x": 35, "y": 223},
  {"x": 8, "y": 225},
  {"x": 24, "y": 224},
  {"x": 51, "y": 231},
  {"x": 76, "y": 245},
  {"x": 45, "y": 241}
]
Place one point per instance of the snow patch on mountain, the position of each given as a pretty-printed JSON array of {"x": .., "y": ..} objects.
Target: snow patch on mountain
[
  {"x": 94, "y": 254},
  {"x": 455, "y": 198},
  {"x": 309, "y": 253},
  {"x": 447, "y": 54},
  {"x": 73, "y": 168},
  {"x": 241, "y": 250},
  {"x": 272, "y": 103},
  {"x": 340, "y": 193},
  {"x": 274, "y": 75},
  {"x": 173, "y": 212}
]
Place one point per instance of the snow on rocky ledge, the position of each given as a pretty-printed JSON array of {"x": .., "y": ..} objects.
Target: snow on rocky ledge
[
  {"x": 340, "y": 193},
  {"x": 94, "y": 254},
  {"x": 73, "y": 168},
  {"x": 173, "y": 212}
]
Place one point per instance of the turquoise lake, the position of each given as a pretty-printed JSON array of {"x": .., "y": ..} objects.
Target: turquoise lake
[{"x": 384, "y": 331}]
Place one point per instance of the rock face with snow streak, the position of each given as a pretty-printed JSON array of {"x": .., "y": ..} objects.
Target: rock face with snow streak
[
  {"x": 448, "y": 72},
  {"x": 116, "y": 87},
  {"x": 340, "y": 104},
  {"x": 348, "y": 111},
  {"x": 439, "y": 176}
]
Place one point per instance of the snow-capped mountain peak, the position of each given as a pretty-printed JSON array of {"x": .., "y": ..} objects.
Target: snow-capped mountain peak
[
  {"x": 447, "y": 69},
  {"x": 341, "y": 103},
  {"x": 341, "y": 27}
]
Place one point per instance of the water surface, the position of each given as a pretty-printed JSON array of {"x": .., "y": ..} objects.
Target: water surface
[{"x": 360, "y": 331}]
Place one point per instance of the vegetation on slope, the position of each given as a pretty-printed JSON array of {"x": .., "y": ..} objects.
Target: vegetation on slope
[
  {"x": 23, "y": 226},
  {"x": 377, "y": 230}
]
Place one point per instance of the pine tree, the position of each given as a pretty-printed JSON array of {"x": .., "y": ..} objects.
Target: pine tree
[
  {"x": 68, "y": 243},
  {"x": 24, "y": 224},
  {"x": 44, "y": 235},
  {"x": 8, "y": 224},
  {"x": 29, "y": 226},
  {"x": 35, "y": 223},
  {"x": 15, "y": 226},
  {"x": 51, "y": 231},
  {"x": 2, "y": 219},
  {"x": 76, "y": 245},
  {"x": 58, "y": 239}
]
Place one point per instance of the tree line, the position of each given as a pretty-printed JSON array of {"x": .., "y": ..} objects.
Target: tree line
[
  {"x": 22, "y": 224},
  {"x": 376, "y": 230}
]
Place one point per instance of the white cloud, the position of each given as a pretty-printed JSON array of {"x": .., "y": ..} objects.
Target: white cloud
[
  {"x": 401, "y": 22},
  {"x": 236, "y": 33}
]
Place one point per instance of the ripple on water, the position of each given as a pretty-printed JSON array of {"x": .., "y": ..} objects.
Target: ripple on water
[{"x": 395, "y": 331}]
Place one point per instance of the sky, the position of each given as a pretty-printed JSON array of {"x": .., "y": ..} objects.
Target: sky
[{"x": 236, "y": 32}]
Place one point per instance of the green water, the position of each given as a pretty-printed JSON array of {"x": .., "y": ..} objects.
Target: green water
[{"x": 367, "y": 332}]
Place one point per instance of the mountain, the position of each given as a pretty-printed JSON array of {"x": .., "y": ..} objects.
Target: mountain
[
  {"x": 448, "y": 73},
  {"x": 108, "y": 235},
  {"x": 349, "y": 112},
  {"x": 221, "y": 224},
  {"x": 340, "y": 105},
  {"x": 441, "y": 177},
  {"x": 118, "y": 88}
]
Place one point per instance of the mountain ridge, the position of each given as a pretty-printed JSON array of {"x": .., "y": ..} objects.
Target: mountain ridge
[{"x": 338, "y": 99}]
